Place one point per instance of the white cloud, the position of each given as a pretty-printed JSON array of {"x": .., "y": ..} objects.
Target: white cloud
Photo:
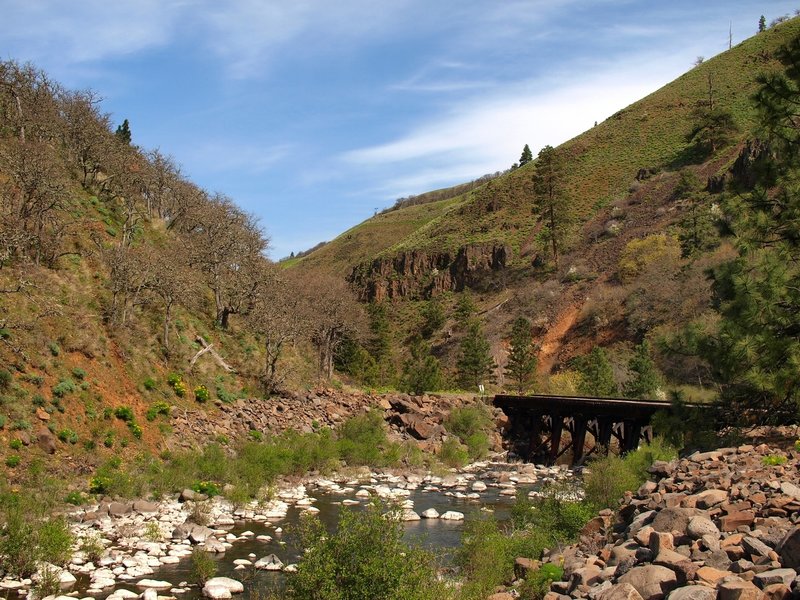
[{"x": 219, "y": 156}]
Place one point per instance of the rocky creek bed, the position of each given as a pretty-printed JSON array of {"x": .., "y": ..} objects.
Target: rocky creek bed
[
  {"x": 147, "y": 545},
  {"x": 721, "y": 525}
]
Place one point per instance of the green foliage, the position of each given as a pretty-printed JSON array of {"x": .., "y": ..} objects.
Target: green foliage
[
  {"x": 13, "y": 460},
  {"x": 79, "y": 373},
  {"x": 551, "y": 202},
  {"x": 361, "y": 439},
  {"x": 3, "y": 419},
  {"x": 762, "y": 24},
  {"x": 537, "y": 584},
  {"x": 201, "y": 393},
  {"x": 124, "y": 413},
  {"x": 609, "y": 477},
  {"x": 92, "y": 547},
  {"x": 135, "y": 429},
  {"x": 54, "y": 348},
  {"x": 475, "y": 363},
  {"x": 15, "y": 444},
  {"x": 522, "y": 361},
  {"x": 433, "y": 317},
  {"x": 5, "y": 380},
  {"x": 157, "y": 408},
  {"x": 75, "y": 498},
  {"x": 203, "y": 566},
  {"x": 209, "y": 488},
  {"x": 645, "y": 379},
  {"x": 465, "y": 309},
  {"x": 353, "y": 359},
  {"x": 774, "y": 460},
  {"x": 453, "y": 453},
  {"x": 526, "y": 156},
  {"x": 639, "y": 254},
  {"x": 597, "y": 375},
  {"x": 471, "y": 425},
  {"x": 64, "y": 387},
  {"x": 365, "y": 559},
  {"x": 698, "y": 230},
  {"x": 380, "y": 342},
  {"x": 685, "y": 427},
  {"x": 68, "y": 435},
  {"x": 48, "y": 583},
  {"x": 150, "y": 384},
  {"x": 178, "y": 385},
  {"x": 123, "y": 132},
  {"x": 421, "y": 372}
]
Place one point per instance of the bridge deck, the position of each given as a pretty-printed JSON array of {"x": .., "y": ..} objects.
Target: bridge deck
[{"x": 597, "y": 407}]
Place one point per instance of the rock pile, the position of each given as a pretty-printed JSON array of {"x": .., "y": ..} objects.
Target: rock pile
[
  {"x": 417, "y": 418},
  {"x": 721, "y": 525}
]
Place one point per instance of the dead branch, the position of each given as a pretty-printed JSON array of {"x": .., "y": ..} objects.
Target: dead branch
[{"x": 208, "y": 348}]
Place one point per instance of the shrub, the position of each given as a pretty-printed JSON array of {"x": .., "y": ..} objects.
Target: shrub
[
  {"x": 38, "y": 400},
  {"x": 453, "y": 453},
  {"x": 15, "y": 444},
  {"x": 201, "y": 393},
  {"x": 29, "y": 537},
  {"x": 773, "y": 460},
  {"x": 180, "y": 389},
  {"x": 108, "y": 440},
  {"x": 75, "y": 498},
  {"x": 93, "y": 548},
  {"x": 68, "y": 435},
  {"x": 157, "y": 408},
  {"x": 471, "y": 424},
  {"x": 54, "y": 348},
  {"x": 2, "y": 421},
  {"x": 255, "y": 435},
  {"x": 13, "y": 460},
  {"x": 34, "y": 379},
  {"x": 361, "y": 438},
  {"x": 79, "y": 373},
  {"x": 47, "y": 584},
  {"x": 124, "y": 413},
  {"x": 537, "y": 584},
  {"x": 136, "y": 430},
  {"x": 639, "y": 254},
  {"x": 21, "y": 424},
  {"x": 5, "y": 379},
  {"x": 174, "y": 378},
  {"x": 64, "y": 387},
  {"x": 149, "y": 384},
  {"x": 209, "y": 488},
  {"x": 203, "y": 566},
  {"x": 152, "y": 531},
  {"x": 365, "y": 558}
]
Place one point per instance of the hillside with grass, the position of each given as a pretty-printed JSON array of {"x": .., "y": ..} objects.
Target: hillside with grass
[{"x": 646, "y": 190}]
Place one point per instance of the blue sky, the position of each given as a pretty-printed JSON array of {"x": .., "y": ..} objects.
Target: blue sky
[{"x": 312, "y": 114}]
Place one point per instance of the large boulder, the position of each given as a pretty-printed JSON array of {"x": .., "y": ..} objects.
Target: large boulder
[
  {"x": 693, "y": 592},
  {"x": 789, "y": 548},
  {"x": 621, "y": 591},
  {"x": 674, "y": 519},
  {"x": 653, "y": 582},
  {"x": 234, "y": 586}
]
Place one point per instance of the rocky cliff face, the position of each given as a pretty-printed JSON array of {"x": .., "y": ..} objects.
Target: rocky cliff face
[{"x": 422, "y": 274}]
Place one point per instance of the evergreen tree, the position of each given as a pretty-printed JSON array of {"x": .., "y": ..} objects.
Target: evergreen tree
[
  {"x": 645, "y": 380},
  {"x": 550, "y": 201},
  {"x": 475, "y": 363},
  {"x": 433, "y": 317},
  {"x": 465, "y": 308},
  {"x": 762, "y": 24},
  {"x": 527, "y": 156},
  {"x": 421, "y": 372},
  {"x": 521, "y": 367},
  {"x": 380, "y": 342},
  {"x": 123, "y": 132},
  {"x": 713, "y": 125},
  {"x": 597, "y": 375},
  {"x": 755, "y": 350}
]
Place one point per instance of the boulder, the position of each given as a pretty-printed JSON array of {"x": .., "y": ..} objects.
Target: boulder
[
  {"x": 789, "y": 548},
  {"x": 145, "y": 507},
  {"x": 776, "y": 591},
  {"x": 621, "y": 591},
  {"x": 737, "y": 589},
  {"x": 216, "y": 592},
  {"x": 430, "y": 513},
  {"x": 652, "y": 582},
  {"x": 767, "y": 578},
  {"x": 693, "y": 592},
  {"x": 233, "y": 585},
  {"x": 674, "y": 519},
  {"x": 154, "y": 584},
  {"x": 46, "y": 441},
  {"x": 700, "y": 526},
  {"x": 452, "y": 515},
  {"x": 755, "y": 547},
  {"x": 269, "y": 563}
]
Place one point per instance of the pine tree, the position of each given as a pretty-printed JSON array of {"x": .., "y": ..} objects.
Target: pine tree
[
  {"x": 550, "y": 201},
  {"x": 421, "y": 372},
  {"x": 527, "y": 156},
  {"x": 465, "y": 308},
  {"x": 380, "y": 342},
  {"x": 123, "y": 132},
  {"x": 646, "y": 380},
  {"x": 762, "y": 24},
  {"x": 433, "y": 317},
  {"x": 521, "y": 367},
  {"x": 597, "y": 375},
  {"x": 475, "y": 363}
]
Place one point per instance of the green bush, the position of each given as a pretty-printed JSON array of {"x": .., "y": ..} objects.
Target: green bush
[
  {"x": 38, "y": 400},
  {"x": 471, "y": 424},
  {"x": 209, "y": 488},
  {"x": 29, "y": 536},
  {"x": 64, "y": 387},
  {"x": 124, "y": 413},
  {"x": 54, "y": 348},
  {"x": 48, "y": 584},
  {"x": 453, "y": 453},
  {"x": 108, "y": 440},
  {"x": 136, "y": 430},
  {"x": 365, "y": 559},
  {"x": 2, "y": 421},
  {"x": 13, "y": 460},
  {"x": 79, "y": 373},
  {"x": 93, "y": 548},
  {"x": 149, "y": 384},
  {"x": 773, "y": 460},
  {"x": 5, "y": 379},
  {"x": 203, "y": 566},
  {"x": 15, "y": 444},
  {"x": 201, "y": 393},
  {"x": 537, "y": 584},
  {"x": 74, "y": 498},
  {"x": 361, "y": 439},
  {"x": 255, "y": 435},
  {"x": 157, "y": 408},
  {"x": 68, "y": 435},
  {"x": 174, "y": 378}
]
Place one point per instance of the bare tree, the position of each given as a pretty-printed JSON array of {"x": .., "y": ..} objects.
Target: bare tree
[{"x": 169, "y": 280}]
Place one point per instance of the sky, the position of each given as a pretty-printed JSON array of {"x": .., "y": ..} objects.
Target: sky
[{"x": 314, "y": 114}]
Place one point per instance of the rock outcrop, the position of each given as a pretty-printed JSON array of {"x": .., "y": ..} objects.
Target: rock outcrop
[
  {"x": 422, "y": 273},
  {"x": 721, "y": 525}
]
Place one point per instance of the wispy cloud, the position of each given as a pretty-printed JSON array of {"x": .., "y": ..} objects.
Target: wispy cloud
[{"x": 232, "y": 156}]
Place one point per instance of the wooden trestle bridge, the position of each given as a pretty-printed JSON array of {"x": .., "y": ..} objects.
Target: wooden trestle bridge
[{"x": 537, "y": 424}]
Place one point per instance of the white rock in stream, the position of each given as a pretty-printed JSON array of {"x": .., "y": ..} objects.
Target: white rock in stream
[
  {"x": 431, "y": 513},
  {"x": 362, "y": 493},
  {"x": 232, "y": 585},
  {"x": 452, "y": 515},
  {"x": 269, "y": 563},
  {"x": 349, "y": 502},
  {"x": 478, "y": 486},
  {"x": 154, "y": 584}
]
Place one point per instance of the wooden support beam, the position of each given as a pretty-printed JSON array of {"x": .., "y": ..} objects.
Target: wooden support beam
[
  {"x": 536, "y": 436},
  {"x": 578, "y": 440},
  {"x": 555, "y": 436}
]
